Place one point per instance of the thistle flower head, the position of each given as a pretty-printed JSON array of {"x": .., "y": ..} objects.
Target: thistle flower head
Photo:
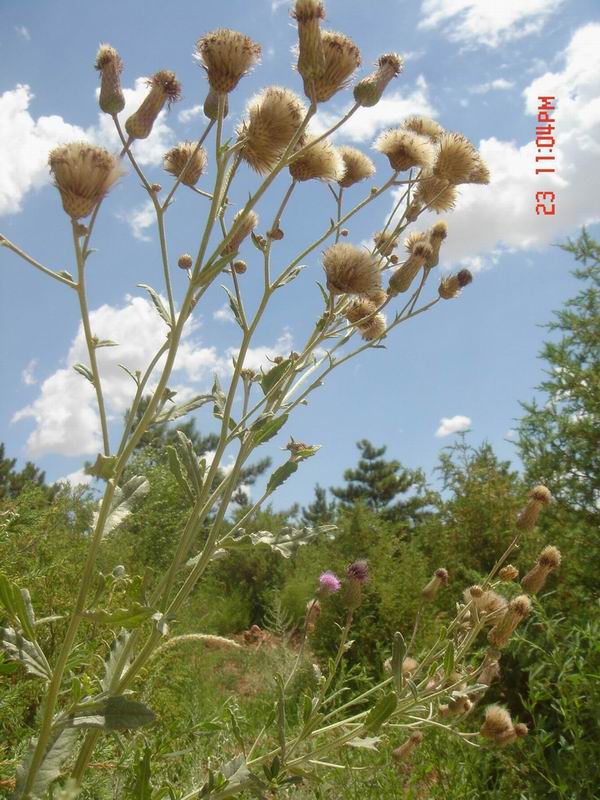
[
  {"x": 342, "y": 58},
  {"x": 517, "y": 610},
  {"x": 358, "y": 571},
  {"x": 450, "y": 287},
  {"x": 385, "y": 242},
  {"x": 508, "y": 573},
  {"x": 456, "y": 158},
  {"x": 548, "y": 560},
  {"x": 177, "y": 158},
  {"x": 226, "y": 56},
  {"x": 424, "y": 126},
  {"x": 413, "y": 238},
  {"x": 329, "y": 583},
  {"x": 480, "y": 173},
  {"x": 375, "y": 328},
  {"x": 550, "y": 557},
  {"x": 311, "y": 57},
  {"x": 497, "y": 722},
  {"x": 378, "y": 296},
  {"x": 439, "y": 230},
  {"x": 83, "y": 174},
  {"x": 164, "y": 88},
  {"x": 360, "y": 311},
  {"x": 403, "y": 277},
  {"x": 272, "y": 118},
  {"x": 242, "y": 226},
  {"x": 110, "y": 66},
  {"x": 357, "y": 165},
  {"x": 435, "y": 193},
  {"x": 405, "y": 149},
  {"x": 539, "y": 497},
  {"x": 350, "y": 270},
  {"x": 369, "y": 90},
  {"x": 321, "y": 161}
]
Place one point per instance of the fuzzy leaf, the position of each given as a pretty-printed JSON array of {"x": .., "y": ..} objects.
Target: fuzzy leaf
[
  {"x": 177, "y": 470},
  {"x": 127, "y": 617},
  {"x": 235, "y": 307},
  {"x": 117, "y": 713},
  {"x": 85, "y": 371},
  {"x": 123, "y": 499},
  {"x": 105, "y": 343},
  {"x": 274, "y": 375},
  {"x": 111, "y": 661},
  {"x": 27, "y": 653},
  {"x": 218, "y": 397},
  {"x": 158, "y": 303},
  {"x": 59, "y": 749},
  {"x": 287, "y": 541},
  {"x": 17, "y": 603},
  {"x": 366, "y": 743},
  {"x": 381, "y": 712},
  {"x": 235, "y": 771},
  {"x": 189, "y": 460},
  {"x": 266, "y": 427},
  {"x": 181, "y": 410},
  {"x": 281, "y": 475}
]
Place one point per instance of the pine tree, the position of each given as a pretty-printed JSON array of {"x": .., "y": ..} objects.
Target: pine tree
[
  {"x": 12, "y": 481},
  {"x": 320, "y": 511}
]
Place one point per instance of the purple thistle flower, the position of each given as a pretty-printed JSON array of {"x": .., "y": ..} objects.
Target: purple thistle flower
[
  {"x": 358, "y": 571},
  {"x": 329, "y": 582}
]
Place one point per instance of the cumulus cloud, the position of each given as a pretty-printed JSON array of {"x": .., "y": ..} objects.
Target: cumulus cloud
[
  {"x": 26, "y": 141},
  {"x": 77, "y": 478},
  {"x": 262, "y": 356},
  {"x": 500, "y": 84},
  {"x": 188, "y": 114},
  {"x": 484, "y": 22},
  {"x": 27, "y": 376},
  {"x": 224, "y": 314},
  {"x": 490, "y": 220},
  {"x": 391, "y": 110},
  {"x": 139, "y": 219},
  {"x": 450, "y": 425}
]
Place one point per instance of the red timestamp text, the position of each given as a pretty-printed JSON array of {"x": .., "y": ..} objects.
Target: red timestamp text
[{"x": 545, "y": 142}]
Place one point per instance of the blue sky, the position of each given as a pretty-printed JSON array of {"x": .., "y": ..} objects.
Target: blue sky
[{"x": 477, "y": 66}]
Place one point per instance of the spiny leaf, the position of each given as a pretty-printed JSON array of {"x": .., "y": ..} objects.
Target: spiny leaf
[
  {"x": 158, "y": 303},
  {"x": 111, "y": 663},
  {"x": 184, "y": 408},
  {"x": 27, "y": 653},
  {"x": 60, "y": 746}
]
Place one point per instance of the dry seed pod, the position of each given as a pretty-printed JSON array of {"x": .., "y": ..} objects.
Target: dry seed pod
[
  {"x": 405, "y": 149},
  {"x": 226, "y": 56},
  {"x": 450, "y": 287},
  {"x": 185, "y": 261},
  {"x": 164, "y": 88},
  {"x": 177, "y": 158},
  {"x": 311, "y": 57},
  {"x": 351, "y": 270},
  {"x": 110, "y": 66},
  {"x": 357, "y": 165},
  {"x": 83, "y": 174},
  {"x": 548, "y": 560},
  {"x": 517, "y": 610},
  {"x": 539, "y": 497},
  {"x": 369, "y": 90},
  {"x": 342, "y": 58},
  {"x": 321, "y": 161}
]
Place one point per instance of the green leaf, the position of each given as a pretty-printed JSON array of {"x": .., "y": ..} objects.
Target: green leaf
[
  {"x": 105, "y": 343},
  {"x": 103, "y": 467},
  {"x": 158, "y": 303},
  {"x": 381, "y": 712},
  {"x": 267, "y": 426},
  {"x": 185, "y": 408},
  {"x": 117, "y": 713},
  {"x": 17, "y": 603},
  {"x": 236, "y": 772},
  {"x": 287, "y": 541},
  {"x": 281, "y": 475},
  {"x": 306, "y": 452},
  {"x": 127, "y": 617},
  {"x": 235, "y": 308},
  {"x": 123, "y": 499},
  {"x": 135, "y": 376},
  {"x": 59, "y": 748},
  {"x": 398, "y": 655},
  {"x": 218, "y": 397},
  {"x": 187, "y": 456},
  {"x": 85, "y": 371},
  {"x": 449, "y": 659},
  {"x": 27, "y": 653},
  {"x": 176, "y": 468},
  {"x": 274, "y": 375},
  {"x": 366, "y": 743},
  {"x": 142, "y": 788}
]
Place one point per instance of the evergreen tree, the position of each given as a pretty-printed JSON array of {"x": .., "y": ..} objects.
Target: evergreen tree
[
  {"x": 13, "y": 481},
  {"x": 320, "y": 511}
]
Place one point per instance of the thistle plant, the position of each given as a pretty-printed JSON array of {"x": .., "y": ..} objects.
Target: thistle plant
[{"x": 364, "y": 294}]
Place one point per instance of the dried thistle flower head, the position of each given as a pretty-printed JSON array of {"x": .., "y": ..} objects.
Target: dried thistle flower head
[
  {"x": 321, "y": 161},
  {"x": 110, "y": 66},
  {"x": 385, "y": 242},
  {"x": 488, "y": 603},
  {"x": 413, "y": 238},
  {"x": 539, "y": 497},
  {"x": 450, "y": 287},
  {"x": 401, "y": 753},
  {"x": 375, "y": 329},
  {"x": 211, "y": 104},
  {"x": 497, "y": 722},
  {"x": 508, "y": 573},
  {"x": 456, "y": 158},
  {"x": 342, "y": 58},
  {"x": 481, "y": 173},
  {"x": 489, "y": 673},
  {"x": 357, "y": 165},
  {"x": 437, "y": 234},
  {"x": 405, "y": 149},
  {"x": 440, "y": 578},
  {"x": 351, "y": 270},
  {"x": 83, "y": 174},
  {"x": 311, "y": 57},
  {"x": 360, "y": 311},
  {"x": 226, "y": 56},
  {"x": 242, "y": 226},
  {"x": 517, "y": 610},
  {"x": 164, "y": 88},
  {"x": 185, "y": 261},
  {"x": 369, "y": 90},
  {"x": 177, "y": 158},
  {"x": 548, "y": 560},
  {"x": 435, "y": 193},
  {"x": 313, "y": 612},
  {"x": 358, "y": 571},
  {"x": 403, "y": 277},
  {"x": 272, "y": 118},
  {"x": 424, "y": 126}
]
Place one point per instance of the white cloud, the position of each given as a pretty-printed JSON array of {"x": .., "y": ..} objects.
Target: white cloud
[
  {"x": 23, "y": 32},
  {"x": 188, "y": 114},
  {"x": 139, "y": 219},
  {"x": 450, "y": 425},
  {"x": 77, "y": 478},
  {"x": 277, "y": 4},
  {"x": 490, "y": 220},
  {"x": 27, "y": 376},
  {"x": 224, "y": 314},
  {"x": 500, "y": 84},
  {"x": 263, "y": 356},
  {"x": 26, "y": 141},
  {"x": 366, "y": 122},
  {"x": 485, "y": 22}
]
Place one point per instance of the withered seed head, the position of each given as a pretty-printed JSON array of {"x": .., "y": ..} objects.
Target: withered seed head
[
  {"x": 351, "y": 270},
  {"x": 424, "y": 126},
  {"x": 369, "y": 90},
  {"x": 456, "y": 158},
  {"x": 497, "y": 722},
  {"x": 517, "y": 610},
  {"x": 405, "y": 149},
  {"x": 110, "y": 65},
  {"x": 375, "y": 329},
  {"x": 436, "y": 193},
  {"x": 342, "y": 58},
  {"x": 83, "y": 174},
  {"x": 226, "y": 56},
  {"x": 177, "y": 157},
  {"x": 164, "y": 88},
  {"x": 360, "y": 311},
  {"x": 450, "y": 287},
  {"x": 385, "y": 242},
  {"x": 440, "y": 578},
  {"x": 481, "y": 173},
  {"x": 321, "y": 161},
  {"x": 358, "y": 166},
  {"x": 539, "y": 497},
  {"x": 508, "y": 573},
  {"x": 548, "y": 560}
]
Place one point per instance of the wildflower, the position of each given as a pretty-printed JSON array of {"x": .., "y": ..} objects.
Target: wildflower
[
  {"x": 435, "y": 193},
  {"x": 385, "y": 242},
  {"x": 403, "y": 277},
  {"x": 164, "y": 88},
  {"x": 440, "y": 578},
  {"x": 329, "y": 583},
  {"x": 83, "y": 174},
  {"x": 405, "y": 149},
  {"x": 177, "y": 158},
  {"x": 357, "y": 165},
  {"x": 350, "y": 270},
  {"x": 401, "y": 753},
  {"x": 424, "y": 127},
  {"x": 517, "y": 610},
  {"x": 320, "y": 160},
  {"x": 272, "y": 118},
  {"x": 549, "y": 559},
  {"x": 357, "y": 575},
  {"x": 311, "y": 57},
  {"x": 242, "y": 226},
  {"x": 369, "y": 90},
  {"x": 226, "y": 56},
  {"x": 539, "y": 497},
  {"x": 342, "y": 58},
  {"x": 508, "y": 573},
  {"x": 450, "y": 287},
  {"x": 185, "y": 261},
  {"x": 110, "y": 66},
  {"x": 456, "y": 158}
]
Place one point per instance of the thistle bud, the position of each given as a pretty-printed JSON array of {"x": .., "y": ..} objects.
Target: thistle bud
[
  {"x": 405, "y": 149},
  {"x": 185, "y": 261},
  {"x": 403, "y": 752},
  {"x": 437, "y": 234},
  {"x": 403, "y": 277},
  {"x": 226, "y": 56},
  {"x": 276, "y": 234},
  {"x": 83, "y": 174},
  {"x": 242, "y": 226},
  {"x": 239, "y": 267},
  {"x": 351, "y": 270},
  {"x": 211, "y": 105},
  {"x": 321, "y": 161},
  {"x": 110, "y": 66},
  {"x": 517, "y": 610},
  {"x": 311, "y": 57},
  {"x": 548, "y": 560},
  {"x": 357, "y": 575},
  {"x": 450, "y": 287},
  {"x": 164, "y": 88},
  {"x": 440, "y": 578},
  {"x": 508, "y": 573},
  {"x": 186, "y": 161},
  {"x": 539, "y": 497},
  {"x": 357, "y": 165},
  {"x": 344, "y": 232},
  {"x": 342, "y": 58},
  {"x": 369, "y": 90}
]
